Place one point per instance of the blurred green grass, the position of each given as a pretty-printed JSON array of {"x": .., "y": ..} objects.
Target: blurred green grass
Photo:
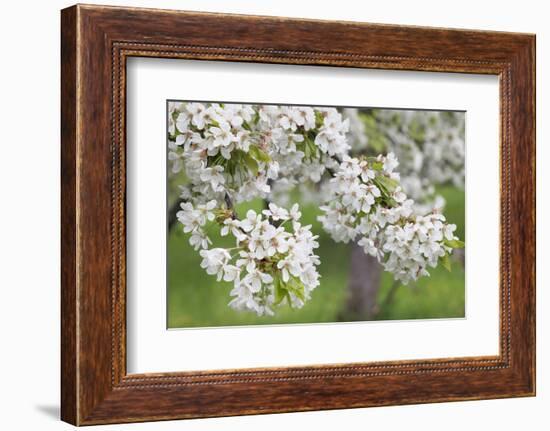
[{"x": 196, "y": 299}]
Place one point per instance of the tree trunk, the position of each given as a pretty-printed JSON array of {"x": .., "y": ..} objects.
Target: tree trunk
[{"x": 363, "y": 285}]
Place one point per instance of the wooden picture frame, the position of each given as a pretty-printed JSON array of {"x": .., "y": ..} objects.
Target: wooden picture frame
[{"x": 96, "y": 41}]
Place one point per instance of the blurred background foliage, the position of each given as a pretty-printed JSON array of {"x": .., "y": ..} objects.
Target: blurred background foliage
[{"x": 196, "y": 299}]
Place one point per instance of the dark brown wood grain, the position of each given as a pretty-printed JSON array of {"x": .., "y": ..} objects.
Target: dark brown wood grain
[
  {"x": 68, "y": 217},
  {"x": 96, "y": 41}
]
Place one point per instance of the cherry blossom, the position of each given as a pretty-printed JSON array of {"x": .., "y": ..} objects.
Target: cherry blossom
[{"x": 378, "y": 215}]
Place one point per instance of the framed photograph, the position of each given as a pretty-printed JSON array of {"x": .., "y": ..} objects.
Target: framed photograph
[{"x": 264, "y": 215}]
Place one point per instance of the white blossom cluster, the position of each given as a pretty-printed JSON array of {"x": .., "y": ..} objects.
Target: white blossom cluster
[
  {"x": 269, "y": 263},
  {"x": 233, "y": 153},
  {"x": 412, "y": 245},
  {"x": 212, "y": 143},
  {"x": 431, "y": 150},
  {"x": 412, "y": 161},
  {"x": 429, "y": 145},
  {"x": 243, "y": 149},
  {"x": 365, "y": 203}
]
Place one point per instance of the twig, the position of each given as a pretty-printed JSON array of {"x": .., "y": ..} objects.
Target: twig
[{"x": 228, "y": 201}]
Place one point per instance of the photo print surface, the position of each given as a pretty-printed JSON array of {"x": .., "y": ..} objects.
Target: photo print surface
[{"x": 286, "y": 214}]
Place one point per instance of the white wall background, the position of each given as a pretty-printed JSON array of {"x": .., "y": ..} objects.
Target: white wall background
[{"x": 29, "y": 215}]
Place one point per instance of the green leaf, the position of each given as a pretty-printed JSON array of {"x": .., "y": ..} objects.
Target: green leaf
[
  {"x": 388, "y": 183},
  {"x": 376, "y": 165},
  {"x": 280, "y": 292},
  {"x": 256, "y": 117},
  {"x": 251, "y": 164},
  {"x": 259, "y": 154},
  {"x": 446, "y": 262},
  {"x": 319, "y": 119},
  {"x": 307, "y": 146},
  {"x": 295, "y": 286},
  {"x": 454, "y": 243}
]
